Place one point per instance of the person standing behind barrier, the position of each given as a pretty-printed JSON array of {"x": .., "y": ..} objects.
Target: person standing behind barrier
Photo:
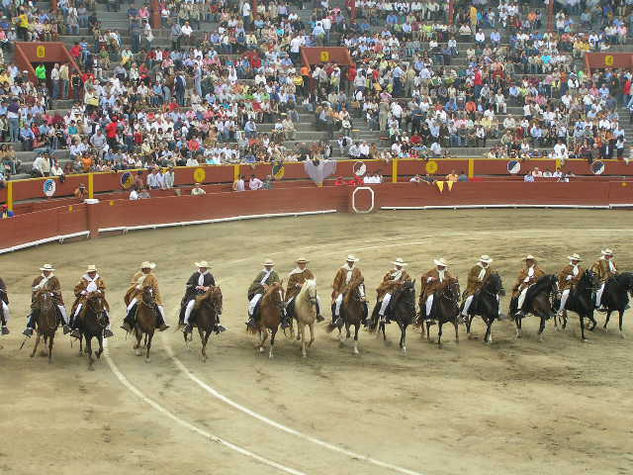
[{"x": 239, "y": 184}]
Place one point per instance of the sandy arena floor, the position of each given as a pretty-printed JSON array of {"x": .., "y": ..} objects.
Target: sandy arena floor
[{"x": 517, "y": 406}]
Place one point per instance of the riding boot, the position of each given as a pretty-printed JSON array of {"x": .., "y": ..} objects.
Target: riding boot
[
  {"x": 160, "y": 321},
  {"x": 30, "y": 325},
  {"x": 5, "y": 330},
  {"x": 252, "y": 319},
  {"x": 219, "y": 328},
  {"x": 107, "y": 333},
  {"x": 319, "y": 317},
  {"x": 128, "y": 321},
  {"x": 285, "y": 319}
]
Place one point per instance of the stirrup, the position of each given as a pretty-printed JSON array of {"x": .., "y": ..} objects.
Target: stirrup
[
  {"x": 163, "y": 327},
  {"x": 188, "y": 328},
  {"x": 219, "y": 328},
  {"x": 28, "y": 331}
]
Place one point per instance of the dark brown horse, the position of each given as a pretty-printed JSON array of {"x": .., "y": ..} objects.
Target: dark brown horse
[
  {"x": 538, "y": 302},
  {"x": 145, "y": 322},
  {"x": 3, "y": 318},
  {"x": 270, "y": 309},
  {"x": 445, "y": 309},
  {"x": 205, "y": 316},
  {"x": 46, "y": 322},
  {"x": 353, "y": 313},
  {"x": 616, "y": 296},
  {"x": 92, "y": 321}
]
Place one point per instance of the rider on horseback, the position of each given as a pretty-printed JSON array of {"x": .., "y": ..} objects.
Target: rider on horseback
[
  {"x": 344, "y": 276},
  {"x": 141, "y": 280},
  {"x": 296, "y": 278},
  {"x": 430, "y": 283},
  {"x": 528, "y": 276},
  {"x": 199, "y": 283},
  {"x": 476, "y": 277},
  {"x": 390, "y": 283},
  {"x": 46, "y": 282},
  {"x": 4, "y": 302},
  {"x": 568, "y": 278},
  {"x": 257, "y": 289},
  {"x": 90, "y": 282},
  {"x": 604, "y": 268}
]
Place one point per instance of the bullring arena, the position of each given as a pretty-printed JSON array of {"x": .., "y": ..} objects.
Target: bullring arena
[{"x": 515, "y": 406}]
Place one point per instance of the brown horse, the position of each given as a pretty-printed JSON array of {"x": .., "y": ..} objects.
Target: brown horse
[
  {"x": 353, "y": 313},
  {"x": 206, "y": 310},
  {"x": 145, "y": 322},
  {"x": 270, "y": 309},
  {"x": 92, "y": 322},
  {"x": 46, "y": 322}
]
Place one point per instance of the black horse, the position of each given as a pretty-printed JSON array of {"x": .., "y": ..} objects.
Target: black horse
[
  {"x": 538, "y": 302},
  {"x": 580, "y": 301},
  {"x": 445, "y": 309},
  {"x": 486, "y": 304},
  {"x": 92, "y": 325},
  {"x": 401, "y": 310},
  {"x": 615, "y": 298}
]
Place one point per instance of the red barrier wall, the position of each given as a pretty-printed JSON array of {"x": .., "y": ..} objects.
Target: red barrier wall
[{"x": 171, "y": 209}]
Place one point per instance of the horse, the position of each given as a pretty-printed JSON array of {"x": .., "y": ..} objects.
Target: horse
[
  {"x": 46, "y": 322},
  {"x": 401, "y": 310},
  {"x": 445, "y": 309},
  {"x": 207, "y": 308},
  {"x": 580, "y": 301},
  {"x": 3, "y": 318},
  {"x": 539, "y": 297},
  {"x": 270, "y": 310},
  {"x": 486, "y": 304},
  {"x": 306, "y": 313},
  {"x": 615, "y": 296},
  {"x": 145, "y": 322},
  {"x": 352, "y": 313},
  {"x": 92, "y": 322}
]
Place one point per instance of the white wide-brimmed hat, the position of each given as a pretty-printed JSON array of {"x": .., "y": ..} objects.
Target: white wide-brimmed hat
[
  {"x": 47, "y": 267},
  {"x": 440, "y": 262},
  {"x": 147, "y": 265},
  {"x": 202, "y": 264},
  {"x": 351, "y": 258},
  {"x": 607, "y": 252},
  {"x": 574, "y": 257},
  {"x": 485, "y": 258},
  {"x": 530, "y": 257},
  {"x": 400, "y": 262},
  {"x": 91, "y": 268},
  {"x": 268, "y": 262},
  {"x": 302, "y": 260}
]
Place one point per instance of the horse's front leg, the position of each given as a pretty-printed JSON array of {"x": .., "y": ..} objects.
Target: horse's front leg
[
  {"x": 50, "y": 347},
  {"x": 89, "y": 353},
  {"x": 100, "y": 338},
  {"x": 403, "y": 337},
  {"x": 517, "y": 322},
  {"x": 81, "y": 345},
  {"x": 469, "y": 322},
  {"x": 541, "y": 329},
  {"x": 439, "y": 333},
  {"x": 37, "y": 342},
  {"x": 582, "y": 327},
  {"x": 263, "y": 335},
  {"x": 356, "y": 328},
  {"x": 301, "y": 336},
  {"x": 273, "y": 332},
  {"x": 204, "y": 337},
  {"x": 488, "y": 337},
  {"x": 137, "y": 347},
  {"x": 456, "y": 325},
  {"x": 311, "y": 326},
  {"x": 620, "y": 315},
  {"x": 148, "y": 344},
  {"x": 606, "y": 321}
]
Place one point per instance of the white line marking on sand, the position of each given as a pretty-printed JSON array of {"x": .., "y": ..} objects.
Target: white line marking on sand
[
  {"x": 214, "y": 438},
  {"x": 279, "y": 426}
]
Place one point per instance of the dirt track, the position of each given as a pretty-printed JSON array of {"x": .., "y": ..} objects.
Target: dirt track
[{"x": 517, "y": 406}]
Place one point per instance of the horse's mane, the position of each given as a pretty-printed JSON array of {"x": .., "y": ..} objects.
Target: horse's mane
[
  {"x": 271, "y": 289},
  {"x": 353, "y": 285},
  {"x": 544, "y": 283},
  {"x": 211, "y": 295},
  {"x": 307, "y": 285}
]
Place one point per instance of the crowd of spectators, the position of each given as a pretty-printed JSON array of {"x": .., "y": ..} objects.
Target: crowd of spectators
[{"x": 234, "y": 91}]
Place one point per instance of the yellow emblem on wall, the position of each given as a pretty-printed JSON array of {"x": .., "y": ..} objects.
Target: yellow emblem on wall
[
  {"x": 431, "y": 166},
  {"x": 40, "y": 52},
  {"x": 199, "y": 175},
  {"x": 325, "y": 56},
  {"x": 608, "y": 60}
]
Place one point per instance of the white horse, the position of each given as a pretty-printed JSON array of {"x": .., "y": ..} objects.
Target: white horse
[{"x": 306, "y": 313}]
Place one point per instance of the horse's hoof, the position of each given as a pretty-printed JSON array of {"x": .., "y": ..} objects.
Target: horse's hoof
[
  {"x": 270, "y": 356},
  {"x": 540, "y": 339},
  {"x": 99, "y": 355},
  {"x": 304, "y": 355},
  {"x": 584, "y": 340},
  {"x": 261, "y": 349},
  {"x": 356, "y": 352},
  {"x": 470, "y": 337},
  {"x": 80, "y": 354},
  {"x": 404, "y": 350},
  {"x": 91, "y": 368},
  {"x": 621, "y": 335},
  {"x": 138, "y": 352},
  {"x": 341, "y": 344},
  {"x": 147, "y": 360}
]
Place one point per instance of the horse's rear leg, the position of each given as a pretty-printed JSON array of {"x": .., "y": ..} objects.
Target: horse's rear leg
[
  {"x": 606, "y": 321},
  {"x": 81, "y": 345},
  {"x": 456, "y": 325},
  {"x": 148, "y": 344},
  {"x": 37, "y": 342},
  {"x": 488, "y": 337},
  {"x": 311, "y": 326},
  {"x": 517, "y": 322},
  {"x": 137, "y": 347},
  {"x": 356, "y": 328},
  {"x": 263, "y": 334},
  {"x": 100, "y": 339},
  {"x": 273, "y": 332},
  {"x": 469, "y": 322}
]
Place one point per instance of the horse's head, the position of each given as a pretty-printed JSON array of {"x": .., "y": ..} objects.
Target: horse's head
[
  {"x": 212, "y": 299},
  {"x": 589, "y": 279},
  {"x": 451, "y": 289},
  {"x": 625, "y": 279},
  {"x": 94, "y": 301},
  {"x": 311, "y": 290},
  {"x": 148, "y": 296},
  {"x": 354, "y": 288},
  {"x": 493, "y": 284}
]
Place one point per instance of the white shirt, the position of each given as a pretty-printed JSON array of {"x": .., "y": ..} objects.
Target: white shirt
[{"x": 133, "y": 195}]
